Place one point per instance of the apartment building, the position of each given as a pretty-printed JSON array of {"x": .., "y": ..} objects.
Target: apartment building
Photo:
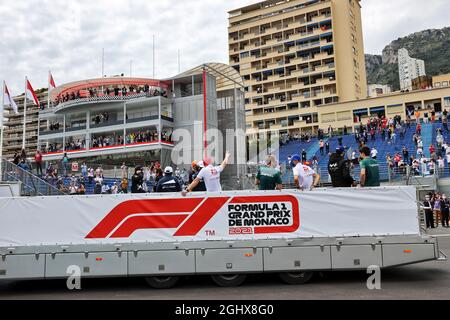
[
  {"x": 13, "y": 126},
  {"x": 441, "y": 81},
  {"x": 375, "y": 90},
  {"x": 296, "y": 57},
  {"x": 409, "y": 69}
]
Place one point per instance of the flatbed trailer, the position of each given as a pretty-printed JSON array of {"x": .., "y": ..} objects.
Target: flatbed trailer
[{"x": 163, "y": 237}]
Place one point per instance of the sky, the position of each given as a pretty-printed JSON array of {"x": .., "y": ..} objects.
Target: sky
[{"x": 67, "y": 37}]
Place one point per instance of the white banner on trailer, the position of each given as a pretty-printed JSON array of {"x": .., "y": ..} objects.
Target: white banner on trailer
[{"x": 244, "y": 215}]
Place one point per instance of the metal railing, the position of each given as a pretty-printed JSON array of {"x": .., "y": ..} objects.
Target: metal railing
[
  {"x": 31, "y": 185},
  {"x": 105, "y": 98}
]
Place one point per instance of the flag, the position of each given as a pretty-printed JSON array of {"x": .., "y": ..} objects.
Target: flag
[
  {"x": 8, "y": 100},
  {"x": 30, "y": 94},
  {"x": 51, "y": 83}
]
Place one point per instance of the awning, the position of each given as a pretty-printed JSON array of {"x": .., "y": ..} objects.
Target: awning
[
  {"x": 377, "y": 109},
  {"x": 360, "y": 111}
]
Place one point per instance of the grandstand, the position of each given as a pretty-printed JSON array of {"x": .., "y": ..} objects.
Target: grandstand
[{"x": 383, "y": 147}]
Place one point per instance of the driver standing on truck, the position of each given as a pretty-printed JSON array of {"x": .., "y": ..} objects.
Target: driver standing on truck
[
  {"x": 370, "y": 169},
  {"x": 168, "y": 183},
  {"x": 210, "y": 175},
  {"x": 269, "y": 177},
  {"x": 339, "y": 170},
  {"x": 305, "y": 178}
]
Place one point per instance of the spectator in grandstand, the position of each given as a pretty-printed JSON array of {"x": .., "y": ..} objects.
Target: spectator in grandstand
[
  {"x": 211, "y": 175},
  {"x": 304, "y": 156},
  {"x": 115, "y": 188},
  {"x": 370, "y": 170},
  {"x": 23, "y": 155},
  {"x": 38, "y": 161},
  {"x": 124, "y": 186},
  {"x": 137, "y": 180},
  {"x": 440, "y": 165},
  {"x": 82, "y": 189},
  {"x": 405, "y": 153},
  {"x": 445, "y": 210},
  {"x": 65, "y": 164},
  {"x": 73, "y": 189},
  {"x": 196, "y": 167},
  {"x": 106, "y": 189},
  {"x": 374, "y": 153},
  {"x": 322, "y": 147},
  {"x": 436, "y": 203},
  {"x": 339, "y": 169},
  {"x": 124, "y": 170},
  {"x": 268, "y": 177},
  {"x": 305, "y": 178},
  {"x": 90, "y": 175},
  {"x": 168, "y": 183},
  {"x": 327, "y": 147},
  {"x": 159, "y": 174},
  {"x": 432, "y": 150}
]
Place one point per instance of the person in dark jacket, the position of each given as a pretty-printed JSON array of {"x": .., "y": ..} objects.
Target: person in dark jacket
[
  {"x": 137, "y": 181},
  {"x": 428, "y": 209},
  {"x": 445, "y": 211},
  {"x": 169, "y": 183},
  {"x": 339, "y": 170},
  {"x": 196, "y": 168}
]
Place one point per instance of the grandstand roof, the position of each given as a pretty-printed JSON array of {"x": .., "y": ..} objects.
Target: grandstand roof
[
  {"x": 226, "y": 76},
  {"x": 111, "y": 81}
]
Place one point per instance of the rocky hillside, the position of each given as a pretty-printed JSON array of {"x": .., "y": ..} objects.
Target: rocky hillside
[{"x": 433, "y": 46}]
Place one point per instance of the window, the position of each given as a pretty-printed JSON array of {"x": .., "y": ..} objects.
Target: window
[{"x": 445, "y": 83}]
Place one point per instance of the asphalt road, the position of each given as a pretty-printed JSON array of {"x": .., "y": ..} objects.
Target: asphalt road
[{"x": 430, "y": 280}]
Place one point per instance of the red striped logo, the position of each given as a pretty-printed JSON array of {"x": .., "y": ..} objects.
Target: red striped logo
[{"x": 187, "y": 215}]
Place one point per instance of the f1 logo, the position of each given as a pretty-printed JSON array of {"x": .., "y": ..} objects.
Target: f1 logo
[{"x": 188, "y": 216}]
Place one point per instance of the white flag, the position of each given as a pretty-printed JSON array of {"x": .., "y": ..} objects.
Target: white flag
[{"x": 8, "y": 101}]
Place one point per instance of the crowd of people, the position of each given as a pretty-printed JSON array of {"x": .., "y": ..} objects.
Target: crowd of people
[
  {"x": 436, "y": 207},
  {"x": 115, "y": 91}
]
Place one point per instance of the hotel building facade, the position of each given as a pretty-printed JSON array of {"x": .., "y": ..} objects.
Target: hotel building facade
[{"x": 296, "y": 57}]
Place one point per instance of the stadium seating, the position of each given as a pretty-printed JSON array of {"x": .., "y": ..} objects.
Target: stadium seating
[{"x": 383, "y": 147}]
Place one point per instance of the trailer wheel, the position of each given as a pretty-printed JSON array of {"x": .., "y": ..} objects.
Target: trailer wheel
[
  {"x": 162, "y": 282},
  {"x": 229, "y": 280},
  {"x": 296, "y": 277}
]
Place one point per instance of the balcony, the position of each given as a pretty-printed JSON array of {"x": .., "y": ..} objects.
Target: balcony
[
  {"x": 48, "y": 132},
  {"x": 103, "y": 98},
  {"x": 79, "y": 128},
  {"x": 107, "y": 124}
]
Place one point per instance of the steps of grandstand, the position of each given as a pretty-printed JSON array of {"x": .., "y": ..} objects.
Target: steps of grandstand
[
  {"x": 30, "y": 184},
  {"x": 383, "y": 147}
]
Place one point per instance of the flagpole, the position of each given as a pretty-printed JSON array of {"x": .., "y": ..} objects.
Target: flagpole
[
  {"x": 24, "y": 114},
  {"x": 48, "y": 89},
  {"x": 2, "y": 130}
]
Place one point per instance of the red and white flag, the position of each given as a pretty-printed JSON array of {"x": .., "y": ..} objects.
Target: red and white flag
[
  {"x": 51, "y": 83},
  {"x": 31, "y": 94},
  {"x": 9, "y": 101}
]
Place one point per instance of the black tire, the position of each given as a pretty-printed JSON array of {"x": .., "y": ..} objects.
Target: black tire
[
  {"x": 229, "y": 280},
  {"x": 164, "y": 282},
  {"x": 296, "y": 278}
]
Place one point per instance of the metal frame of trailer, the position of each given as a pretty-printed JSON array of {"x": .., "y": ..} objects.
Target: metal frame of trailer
[
  {"x": 228, "y": 262},
  {"x": 233, "y": 258}
]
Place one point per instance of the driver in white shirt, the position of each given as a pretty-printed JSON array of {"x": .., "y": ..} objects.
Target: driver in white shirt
[
  {"x": 305, "y": 178},
  {"x": 210, "y": 175}
]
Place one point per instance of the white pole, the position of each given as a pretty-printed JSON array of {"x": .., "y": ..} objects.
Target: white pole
[
  {"x": 24, "y": 115},
  {"x": 153, "y": 56},
  {"x": 179, "y": 62},
  {"x": 2, "y": 130},
  {"x": 103, "y": 62},
  {"x": 131, "y": 68},
  {"x": 48, "y": 90}
]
